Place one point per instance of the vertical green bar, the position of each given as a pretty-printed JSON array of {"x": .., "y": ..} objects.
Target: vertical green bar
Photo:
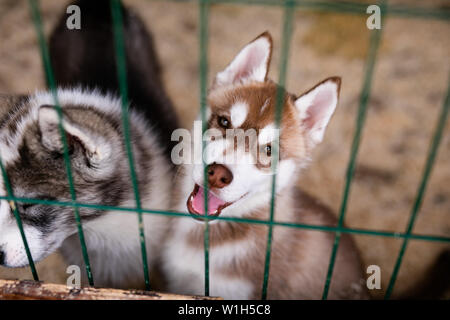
[
  {"x": 422, "y": 187},
  {"x": 122, "y": 76},
  {"x": 52, "y": 84},
  {"x": 289, "y": 10},
  {"x": 203, "y": 66},
  {"x": 363, "y": 102},
  {"x": 13, "y": 206}
]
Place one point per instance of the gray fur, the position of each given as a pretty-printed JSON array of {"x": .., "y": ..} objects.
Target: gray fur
[{"x": 38, "y": 170}]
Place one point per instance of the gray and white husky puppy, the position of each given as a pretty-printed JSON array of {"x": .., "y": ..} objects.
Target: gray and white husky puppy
[{"x": 32, "y": 153}]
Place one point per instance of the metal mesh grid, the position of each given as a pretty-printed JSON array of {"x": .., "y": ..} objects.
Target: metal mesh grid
[{"x": 289, "y": 8}]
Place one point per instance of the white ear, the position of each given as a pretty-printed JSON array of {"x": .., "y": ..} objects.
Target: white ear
[
  {"x": 251, "y": 63},
  {"x": 316, "y": 107},
  {"x": 96, "y": 149}
]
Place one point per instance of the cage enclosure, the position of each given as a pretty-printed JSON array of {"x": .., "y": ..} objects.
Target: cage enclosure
[{"x": 383, "y": 167}]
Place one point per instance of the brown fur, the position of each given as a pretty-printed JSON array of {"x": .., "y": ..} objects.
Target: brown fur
[
  {"x": 299, "y": 257},
  {"x": 256, "y": 95}
]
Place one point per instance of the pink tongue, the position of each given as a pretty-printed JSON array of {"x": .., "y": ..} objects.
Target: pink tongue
[{"x": 199, "y": 202}]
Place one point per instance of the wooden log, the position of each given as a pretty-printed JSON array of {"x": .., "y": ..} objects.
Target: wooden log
[{"x": 32, "y": 290}]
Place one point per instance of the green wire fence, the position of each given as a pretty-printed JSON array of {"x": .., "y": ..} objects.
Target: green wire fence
[
  {"x": 364, "y": 99},
  {"x": 203, "y": 35},
  {"x": 204, "y": 6},
  {"x": 51, "y": 83},
  {"x": 122, "y": 75},
  {"x": 287, "y": 33}
]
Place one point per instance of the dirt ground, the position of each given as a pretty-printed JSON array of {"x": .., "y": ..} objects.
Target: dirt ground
[{"x": 410, "y": 81}]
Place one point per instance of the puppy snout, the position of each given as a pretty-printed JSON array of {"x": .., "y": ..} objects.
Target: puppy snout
[{"x": 219, "y": 176}]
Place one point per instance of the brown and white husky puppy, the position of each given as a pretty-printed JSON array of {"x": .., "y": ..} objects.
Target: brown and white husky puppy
[
  {"x": 31, "y": 151},
  {"x": 243, "y": 98}
]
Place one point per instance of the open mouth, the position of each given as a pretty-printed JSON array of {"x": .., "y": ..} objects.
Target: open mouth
[{"x": 196, "y": 203}]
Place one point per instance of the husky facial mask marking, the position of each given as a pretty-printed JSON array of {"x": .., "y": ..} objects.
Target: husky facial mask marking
[
  {"x": 242, "y": 98},
  {"x": 99, "y": 165},
  {"x": 38, "y": 171},
  {"x": 31, "y": 151}
]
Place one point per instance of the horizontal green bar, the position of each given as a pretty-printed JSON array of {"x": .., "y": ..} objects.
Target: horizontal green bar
[
  {"x": 345, "y": 7},
  {"x": 366, "y": 232}
]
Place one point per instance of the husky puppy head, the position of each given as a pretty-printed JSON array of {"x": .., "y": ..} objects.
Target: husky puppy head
[
  {"x": 242, "y": 99},
  {"x": 32, "y": 154}
]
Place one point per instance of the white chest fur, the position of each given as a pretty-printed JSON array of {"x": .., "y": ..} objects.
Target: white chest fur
[{"x": 185, "y": 265}]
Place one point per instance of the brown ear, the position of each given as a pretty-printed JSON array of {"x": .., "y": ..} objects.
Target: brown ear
[
  {"x": 250, "y": 64},
  {"x": 316, "y": 107}
]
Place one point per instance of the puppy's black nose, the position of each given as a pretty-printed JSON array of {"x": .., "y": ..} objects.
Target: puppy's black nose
[{"x": 2, "y": 257}]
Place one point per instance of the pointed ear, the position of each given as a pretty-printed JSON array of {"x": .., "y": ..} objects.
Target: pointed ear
[
  {"x": 316, "y": 107},
  {"x": 251, "y": 63},
  {"x": 96, "y": 149}
]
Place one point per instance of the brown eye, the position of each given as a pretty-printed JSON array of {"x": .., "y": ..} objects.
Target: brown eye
[
  {"x": 223, "y": 122},
  {"x": 268, "y": 150}
]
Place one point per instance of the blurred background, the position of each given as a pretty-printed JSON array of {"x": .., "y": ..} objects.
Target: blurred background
[{"x": 408, "y": 90}]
